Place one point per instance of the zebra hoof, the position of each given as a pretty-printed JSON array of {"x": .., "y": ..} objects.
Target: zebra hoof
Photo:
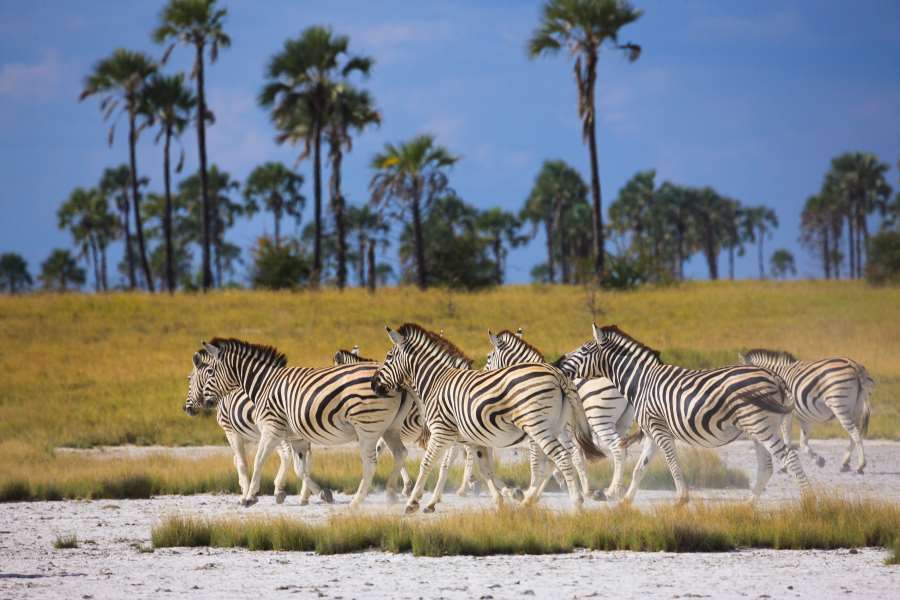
[
  {"x": 326, "y": 496},
  {"x": 411, "y": 507},
  {"x": 599, "y": 496},
  {"x": 462, "y": 492},
  {"x": 407, "y": 488},
  {"x": 304, "y": 501},
  {"x": 279, "y": 497},
  {"x": 518, "y": 495},
  {"x": 860, "y": 471},
  {"x": 845, "y": 468},
  {"x": 245, "y": 502},
  {"x": 820, "y": 461},
  {"x": 428, "y": 509}
]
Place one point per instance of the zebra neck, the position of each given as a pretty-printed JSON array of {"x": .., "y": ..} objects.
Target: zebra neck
[
  {"x": 631, "y": 377},
  {"x": 253, "y": 376},
  {"x": 424, "y": 378}
]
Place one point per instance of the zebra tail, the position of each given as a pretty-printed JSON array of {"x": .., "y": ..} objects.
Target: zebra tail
[
  {"x": 769, "y": 404},
  {"x": 583, "y": 434},
  {"x": 866, "y": 386},
  {"x": 633, "y": 438}
]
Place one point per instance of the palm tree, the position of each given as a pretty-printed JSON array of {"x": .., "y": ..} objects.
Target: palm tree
[
  {"x": 782, "y": 264},
  {"x": 556, "y": 190},
  {"x": 82, "y": 214},
  {"x": 14, "y": 275},
  {"x": 60, "y": 271},
  {"x": 760, "y": 222},
  {"x": 371, "y": 231},
  {"x": 585, "y": 26},
  {"x": 114, "y": 183},
  {"x": 121, "y": 79},
  {"x": 351, "y": 109},
  {"x": 412, "y": 173},
  {"x": 277, "y": 189},
  {"x": 501, "y": 229},
  {"x": 732, "y": 234},
  {"x": 631, "y": 210},
  {"x": 677, "y": 209},
  {"x": 169, "y": 104},
  {"x": 299, "y": 92},
  {"x": 197, "y": 23}
]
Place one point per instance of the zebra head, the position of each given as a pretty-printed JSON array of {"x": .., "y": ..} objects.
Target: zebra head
[
  {"x": 215, "y": 379},
  {"x": 349, "y": 357},
  {"x": 767, "y": 359},
  {"x": 610, "y": 349},
  {"x": 413, "y": 344},
  {"x": 200, "y": 372},
  {"x": 510, "y": 349}
]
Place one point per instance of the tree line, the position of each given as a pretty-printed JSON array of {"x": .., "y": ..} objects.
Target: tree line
[{"x": 313, "y": 94}]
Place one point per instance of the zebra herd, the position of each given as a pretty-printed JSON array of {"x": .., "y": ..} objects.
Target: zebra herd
[{"x": 576, "y": 409}]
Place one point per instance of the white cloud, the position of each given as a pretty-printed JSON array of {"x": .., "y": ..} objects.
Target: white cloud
[{"x": 31, "y": 81}]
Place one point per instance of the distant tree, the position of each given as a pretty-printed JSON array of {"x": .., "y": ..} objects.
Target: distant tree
[
  {"x": 277, "y": 189},
  {"x": 278, "y": 266},
  {"x": 583, "y": 27},
  {"x": 352, "y": 111},
  {"x": 630, "y": 212},
  {"x": 86, "y": 215},
  {"x": 711, "y": 219},
  {"x": 14, "y": 276},
  {"x": 675, "y": 216},
  {"x": 114, "y": 184},
  {"x": 782, "y": 264},
  {"x": 413, "y": 174},
  {"x": 883, "y": 266},
  {"x": 821, "y": 226},
  {"x": 121, "y": 79},
  {"x": 371, "y": 230},
  {"x": 733, "y": 233},
  {"x": 197, "y": 23},
  {"x": 759, "y": 223},
  {"x": 556, "y": 191},
  {"x": 299, "y": 91},
  {"x": 501, "y": 230},
  {"x": 169, "y": 104},
  {"x": 185, "y": 230},
  {"x": 456, "y": 255},
  {"x": 60, "y": 272}
]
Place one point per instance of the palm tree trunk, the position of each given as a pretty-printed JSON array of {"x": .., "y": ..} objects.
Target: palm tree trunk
[
  {"x": 762, "y": 265},
  {"x": 731, "y": 263},
  {"x": 167, "y": 217},
  {"x": 851, "y": 242},
  {"x": 103, "y": 271},
  {"x": 863, "y": 241},
  {"x": 95, "y": 262},
  {"x": 337, "y": 206},
  {"x": 317, "y": 181},
  {"x": 679, "y": 245},
  {"x": 826, "y": 253},
  {"x": 597, "y": 213},
  {"x": 126, "y": 226},
  {"x": 421, "y": 274},
  {"x": 277, "y": 213},
  {"x": 361, "y": 262},
  {"x": 551, "y": 268},
  {"x": 204, "y": 183},
  {"x": 498, "y": 260},
  {"x": 372, "y": 273},
  {"x": 138, "y": 223}
]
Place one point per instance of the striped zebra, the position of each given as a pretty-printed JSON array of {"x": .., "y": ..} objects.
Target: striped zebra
[
  {"x": 706, "y": 408},
  {"x": 608, "y": 412},
  {"x": 234, "y": 414},
  {"x": 823, "y": 390},
  {"x": 326, "y": 406},
  {"x": 483, "y": 409},
  {"x": 412, "y": 431}
]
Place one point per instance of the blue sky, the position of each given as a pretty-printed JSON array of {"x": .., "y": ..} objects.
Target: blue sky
[{"x": 752, "y": 98}]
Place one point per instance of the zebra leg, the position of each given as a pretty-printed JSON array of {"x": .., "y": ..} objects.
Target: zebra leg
[
  {"x": 267, "y": 443},
  {"x": 398, "y": 450},
  {"x": 578, "y": 461},
  {"x": 485, "y": 464},
  {"x": 647, "y": 451},
  {"x": 541, "y": 471},
  {"x": 369, "y": 462},
  {"x": 469, "y": 478},
  {"x": 845, "y": 418},
  {"x": 555, "y": 451},
  {"x": 804, "y": 444},
  {"x": 763, "y": 470},
  {"x": 438, "y": 490},
  {"x": 284, "y": 459},
  {"x": 437, "y": 442},
  {"x": 303, "y": 468},
  {"x": 785, "y": 455},
  {"x": 240, "y": 461},
  {"x": 666, "y": 444}
]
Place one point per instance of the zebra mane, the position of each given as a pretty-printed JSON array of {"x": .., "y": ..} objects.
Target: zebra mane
[
  {"x": 356, "y": 357},
  {"x": 622, "y": 336},
  {"x": 258, "y": 352},
  {"x": 443, "y": 344},
  {"x": 511, "y": 338},
  {"x": 771, "y": 354}
]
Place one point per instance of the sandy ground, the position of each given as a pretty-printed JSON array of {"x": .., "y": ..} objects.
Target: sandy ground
[{"x": 108, "y": 564}]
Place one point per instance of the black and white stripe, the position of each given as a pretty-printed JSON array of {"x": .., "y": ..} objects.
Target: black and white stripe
[
  {"x": 483, "y": 409},
  {"x": 326, "y": 406},
  {"x": 706, "y": 408},
  {"x": 823, "y": 390}
]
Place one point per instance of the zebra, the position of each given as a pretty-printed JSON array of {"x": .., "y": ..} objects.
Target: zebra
[
  {"x": 234, "y": 414},
  {"x": 822, "y": 390},
  {"x": 608, "y": 412},
  {"x": 327, "y": 406},
  {"x": 707, "y": 408},
  {"x": 483, "y": 409},
  {"x": 412, "y": 430}
]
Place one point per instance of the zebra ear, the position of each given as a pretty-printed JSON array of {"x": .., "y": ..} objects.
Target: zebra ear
[
  {"x": 495, "y": 342},
  {"x": 355, "y": 350},
  {"x": 520, "y": 332},
  {"x": 197, "y": 359},
  {"x": 396, "y": 338},
  {"x": 213, "y": 351},
  {"x": 598, "y": 333},
  {"x": 742, "y": 358}
]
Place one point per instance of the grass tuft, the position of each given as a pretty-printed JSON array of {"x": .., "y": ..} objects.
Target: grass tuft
[
  {"x": 65, "y": 541},
  {"x": 815, "y": 523}
]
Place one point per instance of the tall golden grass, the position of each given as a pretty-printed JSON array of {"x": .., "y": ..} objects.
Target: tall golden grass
[
  {"x": 83, "y": 370},
  {"x": 27, "y": 474},
  {"x": 823, "y": 523}
]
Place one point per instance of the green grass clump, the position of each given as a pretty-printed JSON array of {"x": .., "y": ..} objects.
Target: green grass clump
[
  {"x": 65, "y": 541},
  {"x": 894, "y": 558},
  {"x": 814, "y": 523}
]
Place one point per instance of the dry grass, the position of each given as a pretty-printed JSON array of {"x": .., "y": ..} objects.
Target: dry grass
[
  {"x": 65, "y": 541},
  {"x": 27, "y": 474},
  {"x": 823, "y": 523}
]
